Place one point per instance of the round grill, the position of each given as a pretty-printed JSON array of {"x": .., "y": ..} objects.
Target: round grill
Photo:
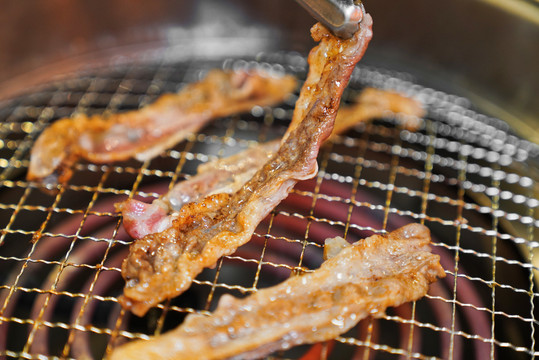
[{"x": 464, "y": 175}]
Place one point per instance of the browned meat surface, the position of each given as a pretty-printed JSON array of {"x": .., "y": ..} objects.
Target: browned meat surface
[
  {"x": 360, "y": 280},
  {"x": 147, "y": 132},
  {"x": 229, "y": 174},
  {"x": 163, "y": 265},
  {"x": 225, "y": 175}
]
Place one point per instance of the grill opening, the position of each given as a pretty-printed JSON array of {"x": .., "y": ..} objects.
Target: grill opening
[{"x": 463, "y": 174}]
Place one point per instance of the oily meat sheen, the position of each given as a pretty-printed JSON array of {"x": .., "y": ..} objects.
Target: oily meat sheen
[
  {"x": 229, "y": 174},
  {"x": 146, "y": 133},
  {"x": 163, "y": 265},
  {"x": 358, "y": 280}
]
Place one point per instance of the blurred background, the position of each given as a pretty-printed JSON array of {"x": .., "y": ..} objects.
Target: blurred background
[{"x": 486, "y": 49}]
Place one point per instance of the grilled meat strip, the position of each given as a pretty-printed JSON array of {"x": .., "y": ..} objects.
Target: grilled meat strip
[
  {"x": 225, "y": 175},
  {"x": 360, "y": 280},
  {"x": 163, "y": 265},
  {"x": 229, "y": 174},
  {"x": 145, "y": 133}
]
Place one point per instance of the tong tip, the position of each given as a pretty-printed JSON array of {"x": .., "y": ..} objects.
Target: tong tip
[{"x": 342, "y": 17}]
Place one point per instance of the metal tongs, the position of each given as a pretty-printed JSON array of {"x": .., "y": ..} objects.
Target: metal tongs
[{"x": 342, "y": 17}]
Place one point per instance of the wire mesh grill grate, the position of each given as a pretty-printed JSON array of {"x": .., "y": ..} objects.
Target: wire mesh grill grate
[{"x": 463, "y": 175}]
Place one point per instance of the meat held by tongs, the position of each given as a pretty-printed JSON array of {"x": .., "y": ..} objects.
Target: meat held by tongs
[
  {"x": 163, "y": 265},
  {"x": 358, "y": 280}
]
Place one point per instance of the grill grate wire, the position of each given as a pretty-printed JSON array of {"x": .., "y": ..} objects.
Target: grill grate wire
[{"x": 463, "y": 175}]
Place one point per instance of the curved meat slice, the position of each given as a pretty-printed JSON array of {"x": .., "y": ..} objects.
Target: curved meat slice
[
  {"x": 163, "y": 265},
  {"x": 226, "y": 175},
  {"x": 147, "y": 132},
  {"x": 229, "y": 174},
  {"x": 360, "y": 280}
]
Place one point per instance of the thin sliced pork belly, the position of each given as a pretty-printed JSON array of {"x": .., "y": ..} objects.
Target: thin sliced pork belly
[
  {"x": 359, "y": 280},
  {"x": 163, "y": 265},
  {"x": 225, "y": 175},
  {"x": 229, "y": 174},
  {"x": 145, "y": 133}
]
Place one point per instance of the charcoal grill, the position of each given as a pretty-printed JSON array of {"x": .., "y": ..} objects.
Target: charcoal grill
[{"x": 465, "y": 174}]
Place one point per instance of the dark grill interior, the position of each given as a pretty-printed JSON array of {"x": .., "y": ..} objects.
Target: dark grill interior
[{"x": 463, "y": 175}]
